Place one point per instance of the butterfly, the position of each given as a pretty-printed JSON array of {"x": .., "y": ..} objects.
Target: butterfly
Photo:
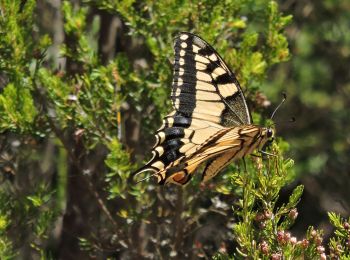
[{"x": 210, "y": 122}]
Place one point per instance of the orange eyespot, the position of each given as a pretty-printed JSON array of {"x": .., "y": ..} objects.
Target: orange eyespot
[{"x": 179, "y": 177}]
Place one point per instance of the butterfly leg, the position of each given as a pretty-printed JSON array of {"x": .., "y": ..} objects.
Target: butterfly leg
[
  {"x": 244, "y": 165},
  {"x": 266, "y": 153}
]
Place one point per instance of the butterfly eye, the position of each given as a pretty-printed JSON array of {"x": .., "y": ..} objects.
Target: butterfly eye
[{"x": 269, "y": 133}]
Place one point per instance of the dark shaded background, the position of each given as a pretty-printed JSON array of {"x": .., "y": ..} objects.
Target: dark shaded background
[{"x": 317, "y": 82}]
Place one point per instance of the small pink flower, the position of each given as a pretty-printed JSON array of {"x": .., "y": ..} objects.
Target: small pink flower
[
  {"x": 293, "y": 214},
  {"x": 287, "y": 237},
  {"x": 262, "y": 225},
  {"x": 348, "y": 242},
  {"x": 259, "y": 217},
  {"x": 264, "y": 247},
  {"x": 267, "y": 214},
  {"x": 280, "y": 235},
  {"x": 305, "y": 243},
  {"x": 276, "y": 256},
  {"x": 318, "y": 240},
  {"x": 313, "y": 233},
  {"x": 293, "y": 240},
  {"x": 320, "y": 249},
  {"x": 223, "y": 248}
]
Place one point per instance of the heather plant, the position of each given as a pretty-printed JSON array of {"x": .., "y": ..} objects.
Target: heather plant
[{"x": 74, "y": 125}]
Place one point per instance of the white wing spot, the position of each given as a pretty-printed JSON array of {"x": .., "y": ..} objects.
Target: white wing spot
[
  {"x": 182, "y": 53},
  {"x": 195, "y": 48},
  {"x": 213, "y": 57},
  {"x": 161, "y": 136},
  {"x": 181, "y": 71},
  {"x": 160, "y": 150},
  {"x": 170, "y": 120},
  {"x": 181, "y": 61},
  {"x": 183, "y": 45},
  {"x": 184, "y": 37},
  {"x": 158, "y": 164}
]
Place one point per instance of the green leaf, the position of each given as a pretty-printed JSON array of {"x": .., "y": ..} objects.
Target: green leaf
[
  {"x": 294, "y": 198},
  {"x": 17, "y": 110}
]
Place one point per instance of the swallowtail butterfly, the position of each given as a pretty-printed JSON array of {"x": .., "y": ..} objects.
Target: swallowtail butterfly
[{"x": 210, "y": 123}]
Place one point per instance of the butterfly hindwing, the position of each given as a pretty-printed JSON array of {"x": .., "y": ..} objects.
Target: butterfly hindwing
[
  {"x": 241, "y": 141},
  {"x": 225, "y": 146},
  {"x": 217, "y": 164}
]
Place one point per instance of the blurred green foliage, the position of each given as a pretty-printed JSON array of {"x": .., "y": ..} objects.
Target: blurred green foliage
[
  {"x": 317, "y": 83},
  {"x": 65, "y": 149}
]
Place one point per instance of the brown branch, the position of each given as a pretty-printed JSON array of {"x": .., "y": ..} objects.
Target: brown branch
[{"x": 179, "y": 225}]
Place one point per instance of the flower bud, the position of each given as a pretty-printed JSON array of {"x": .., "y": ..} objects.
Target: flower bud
[
  {"x": 259, "y": 217},
  {"x": 320, "y": 249},
  {"x": 293, "y": 214},
  {"x": 267, "y": 214},
  {"x": 318, "y": 240},
  {"x": 348, "y": 242},
  {"x": 313, "y": 233},
  {"x": 262, "y": 225},
  {"x": 264, "y": 247},
  {"x": 287, "y": 236},
  {"x": 305, "y": 243},
  {"x": 223, "y": 248},
  {"x": 276, "y": 256},
  {"x": 293, "y": 240},
  {"x": 280, "y": 236}
]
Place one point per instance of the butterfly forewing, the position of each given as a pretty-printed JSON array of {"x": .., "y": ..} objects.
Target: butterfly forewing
[
  {"x": 203, "y": 86},
  {"x": 208, "y": 104}
]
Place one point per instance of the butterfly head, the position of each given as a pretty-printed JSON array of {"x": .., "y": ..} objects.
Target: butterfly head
[{"x": 268, "y": 136}]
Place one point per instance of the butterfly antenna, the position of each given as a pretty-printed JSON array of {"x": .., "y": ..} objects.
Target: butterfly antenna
[
  {"x": 280, "y": 104},
  {"x": 146, "y": 178}
]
